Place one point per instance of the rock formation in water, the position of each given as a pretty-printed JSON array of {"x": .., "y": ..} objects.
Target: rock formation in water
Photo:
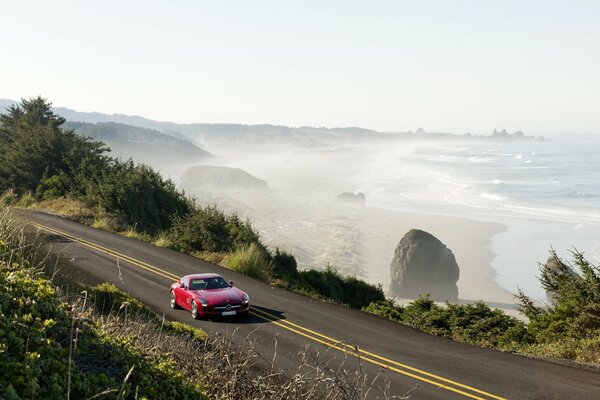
[
  {"x": 346, "y": 197},
  {"x": 221, "y": 178},
  {"x": 422, "y": 264}
]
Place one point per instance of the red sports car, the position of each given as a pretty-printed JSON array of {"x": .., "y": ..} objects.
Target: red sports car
[{"x": 208, "y": 295}]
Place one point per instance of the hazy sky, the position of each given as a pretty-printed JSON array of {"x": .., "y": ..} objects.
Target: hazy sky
[{"x": 390, "y": 65}]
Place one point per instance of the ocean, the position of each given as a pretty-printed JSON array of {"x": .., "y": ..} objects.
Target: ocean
[{"x": 547, "y": 194}]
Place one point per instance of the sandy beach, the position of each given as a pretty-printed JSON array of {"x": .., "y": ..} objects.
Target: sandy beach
[{"x": 361, "y": 240}]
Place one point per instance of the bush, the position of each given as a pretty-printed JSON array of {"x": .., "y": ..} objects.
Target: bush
[
  {"x": 252, "y": 261},
  {"x": 331, "y": 284},
  {"x": 471, "y": 323},
  {"x": 138, "y": 195},
  {"x": 51, "y": 188},
  {"x": 209, "y": 229},
  {"x": 570, "y": 325},
  {"x": 284, "y": 264}
]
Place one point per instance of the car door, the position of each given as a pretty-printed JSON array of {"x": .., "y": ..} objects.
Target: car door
[{"x": 184, "y": 297}]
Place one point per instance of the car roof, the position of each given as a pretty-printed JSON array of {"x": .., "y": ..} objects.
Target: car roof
[{"x": 202, "y": 276}]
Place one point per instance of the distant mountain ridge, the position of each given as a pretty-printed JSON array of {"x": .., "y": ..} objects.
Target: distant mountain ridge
[
  {"x": 305, "y": 135},
  {"x": 141, "y": 144}
]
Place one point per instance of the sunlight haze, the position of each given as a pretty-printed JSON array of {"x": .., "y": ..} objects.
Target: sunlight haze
[{"x": 458, "y": 67}]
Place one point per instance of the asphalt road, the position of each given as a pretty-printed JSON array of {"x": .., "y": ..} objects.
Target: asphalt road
[{"x": 401, "y": 356}]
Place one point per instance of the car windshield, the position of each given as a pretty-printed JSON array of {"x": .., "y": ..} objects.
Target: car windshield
[{"x": 208, "y": 283}]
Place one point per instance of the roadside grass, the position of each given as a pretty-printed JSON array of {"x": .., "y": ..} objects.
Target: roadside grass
[
  {"x": 214, "y": 257},
  {"x": 250, "y": 260},
  {"x": 26, "y": 200},
  {"x": 77, "y": 211},
  {"x": 132, "y": 233},
  {"x": 8, "y": 198},
  {"x": 162, "y": 240},
  {"x": 582, "y": 350}
]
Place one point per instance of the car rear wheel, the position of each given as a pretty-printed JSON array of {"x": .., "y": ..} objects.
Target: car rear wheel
[
  {"x": 173, "y": 302},
  {"x": 194, "y": 310}
]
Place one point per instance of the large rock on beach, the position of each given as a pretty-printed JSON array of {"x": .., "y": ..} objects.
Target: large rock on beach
[{"x": 423, "y": 264}]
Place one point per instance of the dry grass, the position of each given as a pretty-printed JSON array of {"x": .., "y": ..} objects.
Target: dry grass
[
  {"x": 105, "y": 223},
  {"x": 213, "y": 257},
  {"x": 71, "y": 208},
  {"x": 131, "y": 233},
  {"x": 162, "y": 240},
  {"x": 26, "y": 200},
  {"x": 8, "y": 198}
]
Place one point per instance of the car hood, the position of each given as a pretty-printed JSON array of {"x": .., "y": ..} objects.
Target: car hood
[{"x": 218, "y": 296}]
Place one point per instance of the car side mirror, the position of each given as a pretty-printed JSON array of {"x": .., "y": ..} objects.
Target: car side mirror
[
  {"x": 181, "y": 285},
  {"x": 231, "y": 283}
]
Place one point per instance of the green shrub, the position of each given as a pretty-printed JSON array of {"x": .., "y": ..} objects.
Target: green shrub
[
  {"x": 51, "y": 188},
  {"x": 472, "y": 323},
  {"x": 284, "y": 264},
  {"x": 209, "y": 229},
  {"x": 138, "y": 195},
  {"x": 342, "y": 289},
  {"x": 250, "y": 260},
  {"x": 570, "y": 325}
]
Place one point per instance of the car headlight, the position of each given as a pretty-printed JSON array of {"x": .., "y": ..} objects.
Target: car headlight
[
  {"x": 204, "y": 302},
  {"x": 245, "y": 298}
]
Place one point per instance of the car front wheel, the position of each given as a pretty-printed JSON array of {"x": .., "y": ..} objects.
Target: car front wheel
[
  {"x": 173, "y": 302},
  {"x": 194, "y": 310}
]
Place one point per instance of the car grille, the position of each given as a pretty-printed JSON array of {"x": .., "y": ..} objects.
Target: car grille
[{"x": 229, "y": 306}]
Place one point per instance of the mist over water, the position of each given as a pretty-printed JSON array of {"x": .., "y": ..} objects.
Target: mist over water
[
  {"x": 520, "y": 200},
  {"x": 548, "y": 195}
]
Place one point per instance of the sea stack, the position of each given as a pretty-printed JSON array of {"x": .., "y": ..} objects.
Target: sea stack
[
  {"x": 423, "y": 264},
  {"x": 352, "y": 198}
]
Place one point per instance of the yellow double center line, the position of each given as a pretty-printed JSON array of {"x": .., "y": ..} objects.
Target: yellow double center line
[{"x": 346, "y": 348}]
